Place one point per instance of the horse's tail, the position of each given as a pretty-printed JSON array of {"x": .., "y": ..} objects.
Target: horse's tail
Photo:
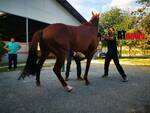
[{"x": 31, "y": 63}]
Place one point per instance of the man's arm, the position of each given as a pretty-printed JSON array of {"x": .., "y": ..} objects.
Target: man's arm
[
  {"x": 107, "y": 38},
  {"x": 19, "y": 46}
]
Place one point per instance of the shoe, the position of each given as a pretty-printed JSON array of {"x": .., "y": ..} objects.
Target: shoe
[
  {"x": 80, "y": 78},
  {"x": 125, "y": 79},
  {"x": 104, "y": 76},
  {"x": 66, "y": 79}
]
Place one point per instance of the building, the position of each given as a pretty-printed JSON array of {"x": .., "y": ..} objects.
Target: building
[{"x": 21, "y": 18}]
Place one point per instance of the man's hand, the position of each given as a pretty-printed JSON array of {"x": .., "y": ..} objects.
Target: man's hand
[{"x": 74, "y": 53}]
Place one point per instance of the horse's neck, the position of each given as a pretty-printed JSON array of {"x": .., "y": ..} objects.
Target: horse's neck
[{"x": 89, "y": 26}]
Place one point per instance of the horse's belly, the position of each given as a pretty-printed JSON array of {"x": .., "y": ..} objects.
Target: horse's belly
[{"x": 81, "y": 48}]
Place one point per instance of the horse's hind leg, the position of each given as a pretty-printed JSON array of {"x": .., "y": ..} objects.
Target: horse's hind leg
[
  {"x": 57, "y": 70},
  {"x": 39, "y": 66}
]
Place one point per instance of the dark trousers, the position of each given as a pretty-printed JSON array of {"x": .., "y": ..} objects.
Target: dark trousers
[
  {"x": 78, "y": 65},
  {"x": 115, "y": 58},
  {"x": 12, "y": 59}
]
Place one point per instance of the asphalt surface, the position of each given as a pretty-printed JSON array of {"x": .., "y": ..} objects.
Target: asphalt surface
[{"x": 103, "y": 95}]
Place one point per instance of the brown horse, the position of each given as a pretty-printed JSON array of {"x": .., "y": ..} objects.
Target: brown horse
[{"x": 58, "y": 38}]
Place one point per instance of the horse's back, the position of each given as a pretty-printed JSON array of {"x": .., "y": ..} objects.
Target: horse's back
[
  {"x": 79, "y": 38},
  {"x": 83, "y": 37},
  {"x": 54, "y": 29},
  {"x": 56, "y": 36}
]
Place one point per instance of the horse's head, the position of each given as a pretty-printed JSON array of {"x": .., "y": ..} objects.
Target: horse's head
[{"x": 95, "y": 18}]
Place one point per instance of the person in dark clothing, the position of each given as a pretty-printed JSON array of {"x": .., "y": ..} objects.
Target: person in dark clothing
[
  {"x": 73, "y": 55},
  {"x": 112, "y": 53}
]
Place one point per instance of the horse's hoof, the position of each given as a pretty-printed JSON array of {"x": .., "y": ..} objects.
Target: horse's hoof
[
  {"x": 38, "y": 84},
  {"x": 87, "y": 83},
  {"x": 68, "y": 88}
]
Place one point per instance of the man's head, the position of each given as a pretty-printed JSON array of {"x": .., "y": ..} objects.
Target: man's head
[
  {"x": 111, "y": 30},
  {"x": 12, "y": 39}
]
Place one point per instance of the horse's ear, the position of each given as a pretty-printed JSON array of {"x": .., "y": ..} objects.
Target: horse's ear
[
  {"x": 98, "y": 14},
  {"x": 93, "y": 13}
]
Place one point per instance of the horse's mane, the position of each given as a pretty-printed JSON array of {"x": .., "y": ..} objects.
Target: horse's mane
[{"x": 86, "y": 23}]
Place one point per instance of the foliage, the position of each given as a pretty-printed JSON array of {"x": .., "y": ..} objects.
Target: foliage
[
  {"x": 119, "y": 19},
  {"x": 145, "y": 23},
  {"x": 2, "y": 50},
  {"x": 143, "y": 14},
  {"x": 144, "y": 2},
  {"x": 141, "y": 44},
  {"x": 122, "y": 20}
]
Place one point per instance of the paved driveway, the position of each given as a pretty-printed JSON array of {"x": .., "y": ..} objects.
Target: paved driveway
[{"x": 108, "y": 95}]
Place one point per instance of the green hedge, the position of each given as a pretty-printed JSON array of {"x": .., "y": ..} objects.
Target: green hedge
[{"x": 2, "y": 50}]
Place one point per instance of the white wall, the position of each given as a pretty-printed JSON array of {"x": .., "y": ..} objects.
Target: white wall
[{"x": 49, "y": 11}]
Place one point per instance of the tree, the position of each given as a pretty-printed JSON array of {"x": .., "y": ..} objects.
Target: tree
[
  {"x": 143, "y": 11},
  {"x": 144, "y": 2},
  {"x": 119, "y": 19},
  {"x": 145, "y": 23},
  {"x": 122, "y": 20},
  {"x": 111, "y": 18},
  {"x": 2, "y": 50},
  {"x": 144, "y": 45}
]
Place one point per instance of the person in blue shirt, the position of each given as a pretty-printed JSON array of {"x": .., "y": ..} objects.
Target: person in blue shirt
[
  {"x": 112, "y": 53},
  {"x": 12, "y": 48}
]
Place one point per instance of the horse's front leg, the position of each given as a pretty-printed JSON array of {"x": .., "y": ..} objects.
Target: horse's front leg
[
  {"x": 57, "y": 70},
  {"x": 86, "y": 71}
]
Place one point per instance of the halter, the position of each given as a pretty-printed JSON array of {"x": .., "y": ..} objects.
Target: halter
[
  {"x": 98, "y": 30},
  {"x": 96, "y": 24}
]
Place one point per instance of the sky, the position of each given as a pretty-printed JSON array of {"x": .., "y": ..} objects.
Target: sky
[{"x": 85, "y": 7}]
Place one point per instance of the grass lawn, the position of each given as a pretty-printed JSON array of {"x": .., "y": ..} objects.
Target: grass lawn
[
  {"x": 125, "y": 61},
  {"x": 20, "y": 67},
  {"x": 131, "y": 61}
]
